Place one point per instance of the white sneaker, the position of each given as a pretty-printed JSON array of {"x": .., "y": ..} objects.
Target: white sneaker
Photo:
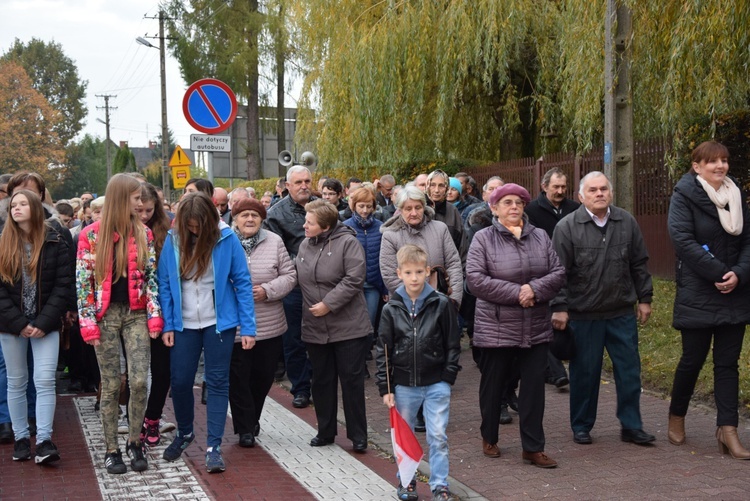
[
  {"x": 123, "y": 427},
  {"x": 166, "y": 426}
]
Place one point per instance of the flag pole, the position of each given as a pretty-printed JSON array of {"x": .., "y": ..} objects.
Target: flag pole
[{"x": 387, "y": 370}]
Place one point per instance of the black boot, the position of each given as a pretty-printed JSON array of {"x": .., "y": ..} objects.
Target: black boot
[
  {"x": 6, "y": 433},
  {"x": 204, "y": 393}
]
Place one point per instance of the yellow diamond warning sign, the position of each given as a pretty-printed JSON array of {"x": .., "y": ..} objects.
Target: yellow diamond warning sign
[{"x": 179, "y": 159}]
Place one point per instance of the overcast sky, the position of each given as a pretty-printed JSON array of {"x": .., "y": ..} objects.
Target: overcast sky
[{"x": 99, "y": 36}]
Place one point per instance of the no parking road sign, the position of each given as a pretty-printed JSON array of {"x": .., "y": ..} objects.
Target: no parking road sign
[{"x": 209, "y": 106}]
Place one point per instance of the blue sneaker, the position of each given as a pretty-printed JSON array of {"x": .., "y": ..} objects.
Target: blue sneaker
[
  {"x": 179, "y": 444},
  {"x": 214, "y": 461}
]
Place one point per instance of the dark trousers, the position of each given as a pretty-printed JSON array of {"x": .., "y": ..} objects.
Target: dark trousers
[
  {"x": 82, "y": 362},
  {"x": 295, "y": 355},
  {"x": 555, "y": 368},
  {"x": 344, "y": 362},
  {"x": 250, "y": 379},
  {"x": 496, "y": 366},
  {"x": 727, "y": 347},
  {"x": 620, "y": 337},
  {"x": 160, "y": 379}
]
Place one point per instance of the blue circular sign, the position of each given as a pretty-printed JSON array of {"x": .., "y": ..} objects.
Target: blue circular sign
[{"x": 209, "y": 106}]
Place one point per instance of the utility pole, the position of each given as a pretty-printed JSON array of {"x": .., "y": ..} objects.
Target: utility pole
[
  {"x": 106, "y": 124},
  {"x": 618, "y": 103},
  {"x": 165, "y": 172}
]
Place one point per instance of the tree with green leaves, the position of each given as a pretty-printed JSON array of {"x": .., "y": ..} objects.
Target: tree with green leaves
[
  {"x": 219, "y": 39},
  {"x": 87, "y": 164},
  {"x": 124, "y": 160},
  {"x": 55, "y": 76},
  {"x": 397, "y": 81}
]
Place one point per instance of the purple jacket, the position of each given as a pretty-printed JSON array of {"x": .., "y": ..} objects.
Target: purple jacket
[{"x": 497, "y": 266}]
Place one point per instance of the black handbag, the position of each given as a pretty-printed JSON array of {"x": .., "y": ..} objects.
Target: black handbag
[{"x": 563, "y": 345}]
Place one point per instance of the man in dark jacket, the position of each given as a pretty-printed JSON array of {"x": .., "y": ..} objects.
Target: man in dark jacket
[
  {"x": 602, "y": 250},
  {"x": 545, "y": 212},
  {"x": 285, "y": 218},
  {"x": 437, "y": 193}
]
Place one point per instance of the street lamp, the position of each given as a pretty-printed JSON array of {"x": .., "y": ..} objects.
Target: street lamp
[{"x": 165, "y": 174}]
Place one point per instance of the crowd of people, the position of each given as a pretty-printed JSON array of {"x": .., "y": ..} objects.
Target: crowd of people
[{"x": 137, "y": 291}]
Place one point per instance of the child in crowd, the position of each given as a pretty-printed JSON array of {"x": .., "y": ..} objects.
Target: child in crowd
[
  {"x": 419, "y": 336},
  {"x": 118, "y": 304}
]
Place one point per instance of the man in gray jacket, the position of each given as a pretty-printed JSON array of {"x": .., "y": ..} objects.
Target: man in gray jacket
[{"x": 602, "y": 250}]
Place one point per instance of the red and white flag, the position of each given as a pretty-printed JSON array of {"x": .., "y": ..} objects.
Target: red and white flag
[{"x": 406, "y": 448}]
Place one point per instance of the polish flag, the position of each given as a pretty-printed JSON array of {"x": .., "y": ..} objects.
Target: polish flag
[{"x": 406, "y": 448}]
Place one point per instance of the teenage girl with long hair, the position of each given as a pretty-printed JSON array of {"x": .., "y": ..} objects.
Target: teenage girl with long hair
[
  {"x": 202, "y": 265},
  {"x": 118, "y": 299},
  {"x": 35, "y": 292},
  {"x": 154, "y": 216}
]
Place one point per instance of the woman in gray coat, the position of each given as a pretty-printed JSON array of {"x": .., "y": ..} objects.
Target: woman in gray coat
[
  {"x": 514, "y": 272},
  {"x": 273, "y": 276},
  {"x": 335, "y": 325}
]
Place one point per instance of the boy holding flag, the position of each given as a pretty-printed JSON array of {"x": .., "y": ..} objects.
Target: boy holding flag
[{"x": 418, "y": 350}]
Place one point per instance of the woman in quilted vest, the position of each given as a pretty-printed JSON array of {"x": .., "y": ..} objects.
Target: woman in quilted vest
[
  {"x": 35, "y": 291},
  {"x": 273, "y": 275},
  {"x": 118, "y": 305}
]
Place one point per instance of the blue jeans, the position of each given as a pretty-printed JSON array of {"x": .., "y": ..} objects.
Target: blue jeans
[
  {"x": 298, "y": 367},
  {"x": 217, "y": 348},
  {"x": 30, "y": 389},
  {"x": 46, "y": 350},
  {"x": 436, "y": 402},
  {"x": 372, "y": 298},
  {"x": 620, "y": 337}
]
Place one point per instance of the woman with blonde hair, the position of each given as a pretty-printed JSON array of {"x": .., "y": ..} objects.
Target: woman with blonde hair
[
  {"x": 35, "y": 291},
  {"x": 118, "y": 299}
]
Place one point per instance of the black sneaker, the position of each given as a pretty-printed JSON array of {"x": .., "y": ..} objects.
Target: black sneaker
[
  {"x": 22, "y": 450},
  {"x": 46, "y": 452},
  {"x": 114, "y": 464},
  {"x": 138, "y": 461}
]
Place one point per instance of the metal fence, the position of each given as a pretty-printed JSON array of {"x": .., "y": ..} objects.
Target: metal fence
[{"x": 651, "y": 181}]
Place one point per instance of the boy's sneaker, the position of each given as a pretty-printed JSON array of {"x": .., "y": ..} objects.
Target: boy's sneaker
[
  {"x": 114, "y": 464},
  {"x": 46, "y": 452},
  {"x": 22, "y": 450},
  {"x": 408, "y": 493},
  {"x": 441, "y": 493},
  {"x": 179, "y": 444},
  {"x": 150, "y": 432},
  {"x": 214, "y": 461},
  {"x": 138, "y": 460}
]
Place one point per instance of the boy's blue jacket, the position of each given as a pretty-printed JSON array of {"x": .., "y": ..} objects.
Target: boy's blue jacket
[
  {"x": 233, "y": 289},
  {"x": 423, "y": 350}
]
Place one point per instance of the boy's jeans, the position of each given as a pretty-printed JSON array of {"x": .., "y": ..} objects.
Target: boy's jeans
[
  {"x": 436, "y": 399},
  {"x": 217, "y": 348},
  {"x": 45, "y": 351}
]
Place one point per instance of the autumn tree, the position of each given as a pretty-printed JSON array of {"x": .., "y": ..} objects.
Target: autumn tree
[
  {"x": 28, "y": 137},
  {"x": 55, "y": 76}
]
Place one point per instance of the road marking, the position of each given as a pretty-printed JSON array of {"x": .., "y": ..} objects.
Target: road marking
[
  {"x": 328, "y": 472},
  {"x": 162, "y": 480}
]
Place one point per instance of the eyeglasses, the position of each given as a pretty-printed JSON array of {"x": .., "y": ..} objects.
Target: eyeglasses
[{"x": 517, "y": 203}]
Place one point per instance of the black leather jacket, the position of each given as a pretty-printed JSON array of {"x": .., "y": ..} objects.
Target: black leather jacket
[
  {"x": 422, "y": 351},
  {"x": 286, "y": 218}
]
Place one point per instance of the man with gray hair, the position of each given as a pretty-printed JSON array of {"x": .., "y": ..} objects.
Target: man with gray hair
[
  {"x": 437, "y": 195},
  {"x": 235, "y": 196},
  {"x": 384, "y": 197},
  {"x": 286, "y": 218},
  {"x": 605, "y": 257}
]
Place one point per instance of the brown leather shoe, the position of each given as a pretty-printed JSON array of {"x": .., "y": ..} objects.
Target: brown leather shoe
[
  {"x": 676, "y": 430},
  {"x": 729, "y": 442},
  {"x": 539, "y": 459},
  {"x": 490, "y": 450}
]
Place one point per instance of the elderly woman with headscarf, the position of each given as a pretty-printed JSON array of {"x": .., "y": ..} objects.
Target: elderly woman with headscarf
[
  {"x": 251, "y": 372},
  {"x": 514, "y": 272}
]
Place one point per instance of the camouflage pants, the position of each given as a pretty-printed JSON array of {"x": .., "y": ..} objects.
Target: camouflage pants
[{"x": 120, "y": 321}]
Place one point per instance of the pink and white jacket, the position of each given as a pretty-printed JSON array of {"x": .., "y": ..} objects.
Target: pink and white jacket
[{"x": 94, "y": 299}]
